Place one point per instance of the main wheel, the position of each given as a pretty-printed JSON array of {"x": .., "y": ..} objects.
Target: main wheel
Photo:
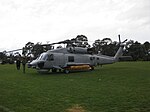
[
  {"x": 54, "y": 70},
  {"x": 92, "y": 68},
  {"x": 66, "y": 71}
]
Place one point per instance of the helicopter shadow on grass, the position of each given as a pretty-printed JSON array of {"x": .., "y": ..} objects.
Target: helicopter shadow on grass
[{"x": 62, "y": 73}]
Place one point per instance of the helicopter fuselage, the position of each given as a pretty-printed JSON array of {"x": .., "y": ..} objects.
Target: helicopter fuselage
[{"x": 69, "y": 59}]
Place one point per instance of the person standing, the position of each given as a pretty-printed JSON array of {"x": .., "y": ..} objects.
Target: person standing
[
  {"x": 18, "y": 64},
  {"x": 24, "y": 64}
]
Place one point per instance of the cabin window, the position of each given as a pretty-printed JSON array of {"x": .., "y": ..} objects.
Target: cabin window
[
  {"x": 97, "y": 58},
  {"x": 92, "y": 58},
  {"x": 50, "y": 57},
  {"x": 70, "y": 58}
]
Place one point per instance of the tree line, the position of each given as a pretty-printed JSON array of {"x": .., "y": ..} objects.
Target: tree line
[
  {"x": 135, "y": 49},
  {"x": 105, "y": 46}
]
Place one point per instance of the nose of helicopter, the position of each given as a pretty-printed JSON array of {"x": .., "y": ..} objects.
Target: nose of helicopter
[
  {"x": 32, "y": 64},
  {"x": 36, "y": 64}
]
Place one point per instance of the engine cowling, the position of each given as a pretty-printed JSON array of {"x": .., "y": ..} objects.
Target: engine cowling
[{"x": 77, "y": 50}]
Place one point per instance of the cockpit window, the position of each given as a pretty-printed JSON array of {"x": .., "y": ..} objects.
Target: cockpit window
[
  {"x": 48, "y": 57},
  {"x": 42, "y": 57}
]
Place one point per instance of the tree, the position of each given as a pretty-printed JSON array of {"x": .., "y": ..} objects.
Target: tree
[
  {"x": 146, "y": 46},
  {"x": 136, "y": 50},
  {"x": 105, "y": 46},
  {"x": 3, "y": 57},
  {"x": 97, "y": 46},
  {"x": 28, "y": 49},
  {"x": 106, "y": 41},
  {"x": 37, "y": 50},
  {"x": 81, "y": 41}
]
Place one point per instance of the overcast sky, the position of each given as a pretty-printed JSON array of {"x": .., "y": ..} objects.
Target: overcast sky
[{"x": 22, "y": 21}]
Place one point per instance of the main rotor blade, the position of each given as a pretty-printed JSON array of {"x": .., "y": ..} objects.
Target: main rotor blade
[
  {"x": 119, "y": 39},
  {"x": 13, "y": 50},
  {"x": 124, "y": 41},
  {"x": 61, "y": 42}
]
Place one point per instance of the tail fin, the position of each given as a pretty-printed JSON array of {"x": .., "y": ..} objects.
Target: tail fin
[
  {"x": 120, "y": 50},
  {"x": 119, "y": 53}
]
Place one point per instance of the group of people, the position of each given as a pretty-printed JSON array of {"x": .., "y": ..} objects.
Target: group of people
[{"x": 18, "y": 64}]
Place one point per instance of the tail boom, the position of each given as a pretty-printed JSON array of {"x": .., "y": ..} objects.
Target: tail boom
[{"x": 119, "y": 53}]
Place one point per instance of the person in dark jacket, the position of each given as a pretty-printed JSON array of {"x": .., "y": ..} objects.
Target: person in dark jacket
[
  {"x": 18, "y": 64},
  {"x": 24, "y": 64}
]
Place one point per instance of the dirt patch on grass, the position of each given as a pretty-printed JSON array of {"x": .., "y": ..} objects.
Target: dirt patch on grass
[
  {"x": 76, "y": 108},
  {"x": 4, "y": 109}
]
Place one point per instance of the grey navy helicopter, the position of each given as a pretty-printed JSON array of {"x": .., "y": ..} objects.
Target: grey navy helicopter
[{"x": 72, "y": 59}]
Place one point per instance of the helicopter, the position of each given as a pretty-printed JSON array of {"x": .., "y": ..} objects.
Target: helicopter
[{"x": 72, "y": 58}]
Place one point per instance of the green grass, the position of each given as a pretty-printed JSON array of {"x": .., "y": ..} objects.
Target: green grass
[{"x": 120, "y": 87}]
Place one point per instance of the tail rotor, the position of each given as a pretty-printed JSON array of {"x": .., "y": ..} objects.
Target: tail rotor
[{"x": 120, "y": 43}]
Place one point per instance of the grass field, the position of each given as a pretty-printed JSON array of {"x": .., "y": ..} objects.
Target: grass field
[{"x": 120, "y": 87}]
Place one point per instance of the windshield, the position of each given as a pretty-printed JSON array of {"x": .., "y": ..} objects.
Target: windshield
[{"x": 45, "y": 56}]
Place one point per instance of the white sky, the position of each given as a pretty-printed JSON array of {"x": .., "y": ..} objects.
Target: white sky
[{"x": 22, "y": 21}]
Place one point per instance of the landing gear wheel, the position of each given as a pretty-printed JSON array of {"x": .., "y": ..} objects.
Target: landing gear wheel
[
  {"x": 92, "y": 68},
  {"x": 54, "y": 70},
  {"x": 66, "y": 71}
]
